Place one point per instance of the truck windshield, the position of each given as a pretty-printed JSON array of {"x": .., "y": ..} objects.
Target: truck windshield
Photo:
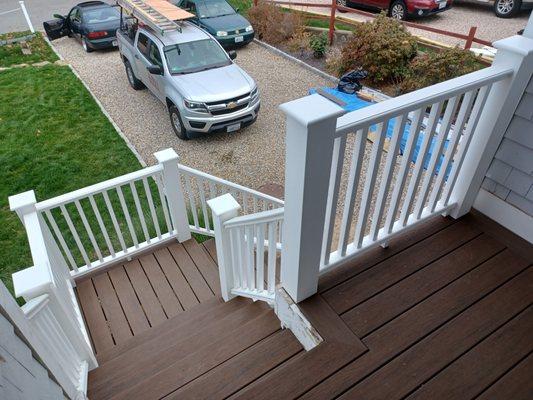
[
  {"x": 185, "y": 58},
  {"x": 213, "y": 8}
]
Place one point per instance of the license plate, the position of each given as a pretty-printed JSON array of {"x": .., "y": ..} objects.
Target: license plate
[
  {"x": 442, "y": 5},
  {"x": 239, "y": 39},
  {"x": 114, "y": 43},
  {"x": 234, "y": 127}
]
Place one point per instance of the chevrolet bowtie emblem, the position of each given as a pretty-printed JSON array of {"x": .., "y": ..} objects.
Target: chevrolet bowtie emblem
[{"x": 232, "y": 104}]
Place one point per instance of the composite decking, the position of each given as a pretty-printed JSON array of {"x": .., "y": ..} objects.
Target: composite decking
[{"x": 445, "y": 312}]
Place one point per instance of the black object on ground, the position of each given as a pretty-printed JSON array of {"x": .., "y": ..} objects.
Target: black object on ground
[{"x": 349, "y": 82}]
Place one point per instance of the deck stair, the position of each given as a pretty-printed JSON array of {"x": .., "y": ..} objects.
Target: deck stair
[{"x": 160, "y": 361}]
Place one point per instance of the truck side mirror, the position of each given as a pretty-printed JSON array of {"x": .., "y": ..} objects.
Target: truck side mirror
[
  {"x": 59, "y": 16},
  {"x": 155, "y": 69},
  {"x": 232, "y": 54}
]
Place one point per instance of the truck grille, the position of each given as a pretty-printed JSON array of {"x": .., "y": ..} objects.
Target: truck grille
[{"x": 229, "y": 106}]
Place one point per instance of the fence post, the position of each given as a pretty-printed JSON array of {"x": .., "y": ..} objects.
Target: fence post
[
  {"x": 310, "y": 134},
  {"x": 168, "y": 159},
  {"x": 471, "y": 36},
  {"x": 515, "y": 53},
  {"x": 224, "y": 208},
  {"x": 331, "y": 31}
]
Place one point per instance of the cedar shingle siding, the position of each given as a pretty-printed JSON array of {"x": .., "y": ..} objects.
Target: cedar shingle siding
[{"x": 510, "y": 176}]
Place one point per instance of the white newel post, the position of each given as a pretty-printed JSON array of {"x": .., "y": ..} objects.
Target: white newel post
[
  {"x": 516, "y": 53},
  {"x": 311, "y": 126},
  {"x": 168, "y": 159},
  {"x": 224, "y": 208}
]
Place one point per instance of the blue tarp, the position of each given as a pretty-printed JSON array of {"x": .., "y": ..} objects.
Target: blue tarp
[{"x": 355, "y": 103}]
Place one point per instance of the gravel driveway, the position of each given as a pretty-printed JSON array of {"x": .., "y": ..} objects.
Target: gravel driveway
[
  {"x": 252, "y": 157},
  {"x": 458, "y": 19}
]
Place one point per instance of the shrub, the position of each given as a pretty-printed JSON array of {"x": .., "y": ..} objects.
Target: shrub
[
  {"x": 333, "y": 61},
  {"x": 431, "y": 68},
  {"x": 299, "y": 43},
  {"x": 318, "y": 44},
  {"x": 383, "y": 47},
  {"x": 273, "y": 25}
]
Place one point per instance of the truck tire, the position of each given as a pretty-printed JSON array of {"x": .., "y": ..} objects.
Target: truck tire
[
  {"x": 177, "y": 125},
  {"x": 132, "y": 79},
  {"x": 398, "y": 10},
  {"x": 507, "y": 8}
]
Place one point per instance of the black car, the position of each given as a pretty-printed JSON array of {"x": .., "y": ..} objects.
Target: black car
[{"x": 93, "y": 23}]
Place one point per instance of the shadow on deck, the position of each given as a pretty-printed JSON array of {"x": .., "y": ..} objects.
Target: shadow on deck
[{"x": 445, "y": 312}]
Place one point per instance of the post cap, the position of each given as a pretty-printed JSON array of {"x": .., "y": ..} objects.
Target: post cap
[
  {"x": 515, "y": 44},
  {"x": 312, "y": 109},
  {"x": 224, "y": 204},
  {"x": 22, "y": 201},
  {"x": 166, "y": 155},
  {"x": 31, "y": 282}
]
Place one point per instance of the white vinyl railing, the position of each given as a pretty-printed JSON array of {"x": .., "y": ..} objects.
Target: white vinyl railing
[
  {"x": 355, "y": 180},
  {"x": 409, "y": 171},
  {"x": 199, "y": 187},
  {"x": 247, "y": 249}
]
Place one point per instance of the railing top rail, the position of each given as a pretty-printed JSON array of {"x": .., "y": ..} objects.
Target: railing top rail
[
  {"x": 97, "y": 188},
  {"x": 257, "y": 218},
  {"x": 230, "y": 184},
  {"x": 367, "y": 116}
]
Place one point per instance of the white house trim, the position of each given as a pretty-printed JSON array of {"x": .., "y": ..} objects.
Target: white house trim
[{"x": 505, "y": 214}]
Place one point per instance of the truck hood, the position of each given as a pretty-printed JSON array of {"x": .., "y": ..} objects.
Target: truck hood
[
  {"x": 225, "y": 23},
  {"x": 214, "y": 84}
]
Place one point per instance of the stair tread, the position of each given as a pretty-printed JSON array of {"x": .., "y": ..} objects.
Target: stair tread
[
  {"x": 170, "y": 324},
  {"x": 162, "y": 350}
]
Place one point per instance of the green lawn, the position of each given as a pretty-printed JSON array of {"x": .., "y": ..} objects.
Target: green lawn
[
  {"x": 53, "y": 139},
  {"x": 12, "y": 54}
]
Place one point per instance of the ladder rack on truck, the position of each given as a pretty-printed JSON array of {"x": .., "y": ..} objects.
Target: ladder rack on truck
[{"x": 160, "y": 15}]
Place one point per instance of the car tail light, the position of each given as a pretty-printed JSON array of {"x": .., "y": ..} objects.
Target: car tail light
[{"x": 97, "y": 34}]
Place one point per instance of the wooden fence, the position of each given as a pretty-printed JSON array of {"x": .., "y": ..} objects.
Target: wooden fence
[{"x": 469, "y": 38}]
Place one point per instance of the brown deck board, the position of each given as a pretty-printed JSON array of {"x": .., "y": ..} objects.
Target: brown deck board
[
  {"x": 374, "y": 256},
  {"x": 161, "y": 352},
  {"x": 94, "y": 316},
  {"x": 113, "y": 310},
  {"x": 205, "y": 264},
  {"x": 433, "y": 353},
  {"x": 390, "y": 303},
  {"x": 159, "y": 282},
  {"x": 145, "y": 292},
  {"x": 362, "y": 286},
  {"x": 191, "y": 273},
  {"x": 185, "y": 369},
  {"x": 176, "y": 279},
  {"x": 444, "y": 312},
  {"x": 127, "y": 297},
  {"x": 516, "y": 384},
  {"x": 484, "y": 364},
  {"x": 241, "y": 370}
]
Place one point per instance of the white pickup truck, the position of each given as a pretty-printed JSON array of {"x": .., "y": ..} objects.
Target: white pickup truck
[{"x": 190, "y": 72}]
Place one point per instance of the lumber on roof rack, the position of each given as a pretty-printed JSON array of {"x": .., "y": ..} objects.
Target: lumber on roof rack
[{"x": 160, "y": 15}]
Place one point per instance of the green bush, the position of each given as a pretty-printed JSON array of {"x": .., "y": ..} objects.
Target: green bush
[
  {"x": 383, "y": 47},
  {"x": 431, "y": 68},
  {"x": 318, "y": 44}
]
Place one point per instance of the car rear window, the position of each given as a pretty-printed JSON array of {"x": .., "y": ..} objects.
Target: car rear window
[{"x": 99, "y": 15}]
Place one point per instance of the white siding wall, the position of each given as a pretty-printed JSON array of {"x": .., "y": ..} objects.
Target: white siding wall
[
  {"x": 510, "y": 176},
  {"x": 21, "y": 376}
]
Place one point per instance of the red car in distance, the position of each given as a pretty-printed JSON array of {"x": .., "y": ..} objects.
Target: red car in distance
[{"x": 401, "y": 9}]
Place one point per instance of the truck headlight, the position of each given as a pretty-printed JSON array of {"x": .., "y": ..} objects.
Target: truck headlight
[
  {"x": 249, "y": 28},
  {"x": 222, "y": 33},
  {"x": 254, "y": 93},
  {"x": 195, "y": 106}
]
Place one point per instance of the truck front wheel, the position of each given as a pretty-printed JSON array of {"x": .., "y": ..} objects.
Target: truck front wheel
[
  {"x": 507, "y": 8},
  {"x": 177, "y": 125},
  {"x": 132, "y": 79}
]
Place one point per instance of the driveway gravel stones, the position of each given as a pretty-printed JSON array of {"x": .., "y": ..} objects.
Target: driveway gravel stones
[{"x": 252, "y": 157}]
